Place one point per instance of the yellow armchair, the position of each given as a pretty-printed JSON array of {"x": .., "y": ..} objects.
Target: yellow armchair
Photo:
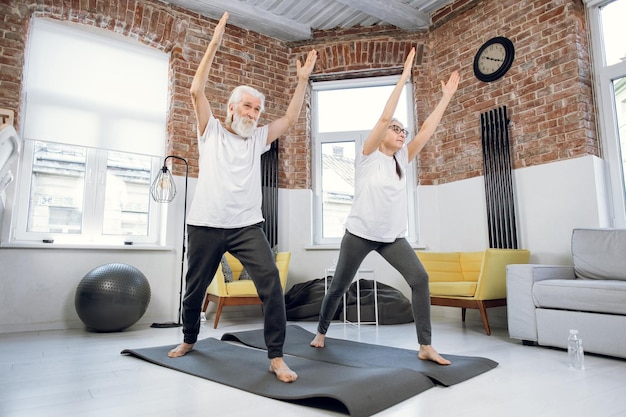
[
  {"x": 470, "y": 279},
  {"x": 239, "y": 292}
]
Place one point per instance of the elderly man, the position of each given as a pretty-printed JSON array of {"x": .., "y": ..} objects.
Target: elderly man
[{"x": 225, "y": 214}]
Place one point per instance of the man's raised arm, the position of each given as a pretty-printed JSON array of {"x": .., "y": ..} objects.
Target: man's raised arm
[
  {"x": 280, "y": 126},
  {"x": 199, "y": 99}
]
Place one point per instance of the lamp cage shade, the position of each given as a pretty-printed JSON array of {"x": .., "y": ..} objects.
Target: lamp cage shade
[{"x": 163, "y": 188}]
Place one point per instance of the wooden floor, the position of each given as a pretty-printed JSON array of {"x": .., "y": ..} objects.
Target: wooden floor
[{"x": 74, "y": 373}]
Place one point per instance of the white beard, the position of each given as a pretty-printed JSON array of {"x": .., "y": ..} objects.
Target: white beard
[{"x": 243, "y": 126}]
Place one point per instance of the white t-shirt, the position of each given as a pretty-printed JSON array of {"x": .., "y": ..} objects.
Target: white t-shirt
[
  {"x": 228, "y": 193},
  {"x": 379, "y": 210}
]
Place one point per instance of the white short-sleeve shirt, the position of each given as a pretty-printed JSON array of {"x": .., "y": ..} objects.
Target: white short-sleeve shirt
[
  {"x": 228, "y": 193},
  {"x": 379, "y": 210}
]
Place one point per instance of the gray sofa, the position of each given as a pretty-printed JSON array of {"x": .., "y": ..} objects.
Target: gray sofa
[{"x": 546, "y": 301}]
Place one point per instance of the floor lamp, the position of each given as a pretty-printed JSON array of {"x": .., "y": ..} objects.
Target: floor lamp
[{"x": 163, "y": 190}]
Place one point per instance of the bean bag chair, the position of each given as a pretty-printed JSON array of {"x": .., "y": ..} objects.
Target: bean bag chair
[{"x": 304, "y": 300}]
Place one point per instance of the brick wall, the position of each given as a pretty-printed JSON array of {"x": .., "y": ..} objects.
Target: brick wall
[
  {"x": 547, "y": 91},
  {"x": 245, "y": 57}
]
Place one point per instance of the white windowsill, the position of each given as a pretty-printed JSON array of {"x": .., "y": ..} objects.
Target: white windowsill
[
  {"x": 336, "y": 246},
  {"x": 76, "y": 246}
]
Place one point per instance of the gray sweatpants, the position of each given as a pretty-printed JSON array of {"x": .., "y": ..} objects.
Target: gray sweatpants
[
  {"x": 250, "y": 246},
  {"x": 402, "y": 257}
]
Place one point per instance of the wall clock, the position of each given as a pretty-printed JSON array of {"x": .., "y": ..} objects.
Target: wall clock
[{"x": 493, "y": 59}]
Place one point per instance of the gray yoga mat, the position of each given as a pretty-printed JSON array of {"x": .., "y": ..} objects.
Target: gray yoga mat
[
  {"x": 363, "y": 355},
  {"x": 352, "y": 390}
]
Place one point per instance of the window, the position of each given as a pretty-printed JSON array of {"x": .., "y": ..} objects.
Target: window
[
  {"x": 94, "y": 134},
  {"x": 343, "y": 114},
  {"x": 609, "y": 54}
]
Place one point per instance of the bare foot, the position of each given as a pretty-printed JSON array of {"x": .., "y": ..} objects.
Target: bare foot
[
  {"x": 180, "y": 350},
  {"x": 282, "y": 371},
  {"x": 318, "y": 342},
  {"x": 428, "y": 353}
]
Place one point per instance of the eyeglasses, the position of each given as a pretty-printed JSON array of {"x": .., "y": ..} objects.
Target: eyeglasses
[{"x": 399, "y": 130}]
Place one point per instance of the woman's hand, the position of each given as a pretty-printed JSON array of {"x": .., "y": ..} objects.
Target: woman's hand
[
  {"x": 450, "y": 87},
  {"x": 408, "y": 63}
]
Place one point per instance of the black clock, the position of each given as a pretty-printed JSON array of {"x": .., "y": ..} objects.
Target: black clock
[{"x": 493, "y": 59}]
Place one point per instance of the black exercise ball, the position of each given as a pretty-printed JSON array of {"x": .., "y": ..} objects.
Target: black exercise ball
[{"x": 112, "y": 297}]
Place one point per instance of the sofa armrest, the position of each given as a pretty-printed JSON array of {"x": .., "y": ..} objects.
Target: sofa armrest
[
  {"x": 520, "y": 303},
  {"x": 492, "y": 278},
  {"x": 282, "y": 262}
]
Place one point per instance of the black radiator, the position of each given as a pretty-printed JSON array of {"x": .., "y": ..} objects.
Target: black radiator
[
  {"x": 269, "y": 183},
  {"x": 498, "y": 179}
]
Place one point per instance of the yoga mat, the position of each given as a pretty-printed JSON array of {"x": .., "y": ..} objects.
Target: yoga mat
[
  {"x": 364, "y": 355},
  {"x": 359, "y": 392}
]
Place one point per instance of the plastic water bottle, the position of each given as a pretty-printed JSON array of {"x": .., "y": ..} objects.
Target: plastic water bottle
[{"x": 575, "y": 350}]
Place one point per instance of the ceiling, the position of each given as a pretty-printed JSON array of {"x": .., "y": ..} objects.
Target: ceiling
[{"x": 294, "y": 20}]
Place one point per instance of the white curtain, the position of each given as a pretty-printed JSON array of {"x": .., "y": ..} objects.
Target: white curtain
[{"x": 95, "y": 89}]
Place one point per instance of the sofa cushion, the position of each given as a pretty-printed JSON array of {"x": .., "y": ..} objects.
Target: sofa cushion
[
  {"x": 471, "y": 264},
  {"x": 608, "y": 296},
  {"x": 237, "y": 271},
  {"x": 226, "y": 271},
  {"x": 442, "y": 266},
  {"x": 243, "y": 288},
  {"x": 599, "y": 253},
  {"x": 450, "y": 289}
]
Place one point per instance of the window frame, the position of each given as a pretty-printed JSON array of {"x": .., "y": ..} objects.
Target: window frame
[
  {"x": 359, "y": 136},
  {"x": 96, "y": 169},
  {"x": 606, "y": 113},
  {"x": 93, "y": 204}
]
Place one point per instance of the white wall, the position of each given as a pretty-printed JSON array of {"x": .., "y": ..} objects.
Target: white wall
[
  {"x": 552, "y": 199},
  {"x": 37, "y": 286},
  {"x": 555, "y": 198}
]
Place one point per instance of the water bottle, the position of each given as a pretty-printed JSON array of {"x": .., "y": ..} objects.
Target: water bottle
[{"x": 575, "y": 350}]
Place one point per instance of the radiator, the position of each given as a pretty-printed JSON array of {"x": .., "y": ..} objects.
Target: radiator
[
  {"x": 269, "y": 184},
  {"x": 499, "y": 191}
]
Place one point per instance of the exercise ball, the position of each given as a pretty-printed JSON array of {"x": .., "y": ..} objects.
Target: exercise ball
[{"x": 112, "y": 297}]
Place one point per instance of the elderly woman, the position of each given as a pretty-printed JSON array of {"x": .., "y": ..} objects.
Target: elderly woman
[{"x": 378, "y": 219}]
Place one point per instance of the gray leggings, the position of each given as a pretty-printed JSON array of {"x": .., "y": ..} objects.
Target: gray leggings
[{"x": 402, "y": 257}]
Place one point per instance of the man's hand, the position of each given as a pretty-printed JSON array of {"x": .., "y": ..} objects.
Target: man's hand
[
  {"x": 304, "y": 71},
  {"x": 200, "y": 102},
  {"x": 219, "y": 29},
  {"x": 279, "y": 126}
]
